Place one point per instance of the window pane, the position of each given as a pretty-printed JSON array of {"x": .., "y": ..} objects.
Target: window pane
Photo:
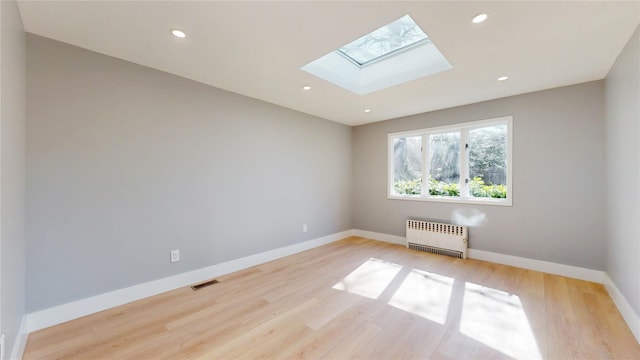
[
  {"x": 488, "y": 162},
  {"x": 407, "y": 165},
  {"x": 444, "y": 160},
  {"x": 400, "y": 34}
]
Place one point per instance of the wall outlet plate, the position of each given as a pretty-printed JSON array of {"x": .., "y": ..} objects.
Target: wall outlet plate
[{"x": 175, "y": 255}]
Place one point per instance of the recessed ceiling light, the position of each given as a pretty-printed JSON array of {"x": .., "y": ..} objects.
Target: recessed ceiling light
[
  {"x": 306, "y": 87},
  {"x": 367, "y": 110},
  {"x": 479, "y": 18},
  {"x": 503, "y": 78},
  {"x": 178, "y": 33}
]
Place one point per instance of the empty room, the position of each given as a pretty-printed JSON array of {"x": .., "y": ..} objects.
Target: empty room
[{"x": 319, "y": 179}]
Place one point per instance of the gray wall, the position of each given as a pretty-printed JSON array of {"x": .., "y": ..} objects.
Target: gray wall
[
  {"x": 12, "y": 171},
  {"x": 623, "y": 179},
  {"x": 125, "y": 163},
  {"x": 558, "y": 182}
]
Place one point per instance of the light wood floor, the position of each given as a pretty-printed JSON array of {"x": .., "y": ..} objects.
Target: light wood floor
[{"x": 357, "y": 298}]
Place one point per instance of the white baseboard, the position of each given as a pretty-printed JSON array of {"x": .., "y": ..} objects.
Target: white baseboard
[
  {"x": 21, "y": 341},
  {"x": 539, "y": 265},
  {"x": 401, "y": 240},
  {"x": 58, "y": 314},
  {"x": 632, "y": 319}
]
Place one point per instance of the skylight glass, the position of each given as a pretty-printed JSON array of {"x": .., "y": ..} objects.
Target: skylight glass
[{"x": 400, "y": 35}]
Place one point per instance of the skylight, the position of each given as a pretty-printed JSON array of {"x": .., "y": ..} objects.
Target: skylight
[
  {"x": 392, "y": 38},
  {"x": 394, "y": 54}
]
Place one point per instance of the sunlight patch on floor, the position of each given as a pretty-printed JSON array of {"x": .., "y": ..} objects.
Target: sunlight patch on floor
[
  {"x": 369, "y": 279},
  {"x": 497, "y": 319},
  {"x": 424, "y": 294}
]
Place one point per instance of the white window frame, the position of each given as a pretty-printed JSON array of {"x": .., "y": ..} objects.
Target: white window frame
[{"x": 464, "y": 129}]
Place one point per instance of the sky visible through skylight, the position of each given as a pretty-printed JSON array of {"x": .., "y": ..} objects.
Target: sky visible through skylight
[{"x": 389, "y": 39}]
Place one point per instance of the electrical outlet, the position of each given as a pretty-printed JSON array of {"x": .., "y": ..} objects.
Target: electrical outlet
[
  {"x": 304, "y": 228},
  {"x": 175, "y": 255}
]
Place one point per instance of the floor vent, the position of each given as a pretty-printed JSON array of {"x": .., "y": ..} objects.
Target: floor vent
[{"x": 204, "y": 284}]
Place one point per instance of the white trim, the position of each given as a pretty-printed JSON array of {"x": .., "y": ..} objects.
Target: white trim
[
  {"x": 628, "y": 314},
  {"x": 400, "y": 240},
  {"x": 58, "y": 314},
  {"x": 452, "y": 199},
  {"x": 21, "y": 341},
  {"x": 465, "y": 124},
  {"x": 631, "y": 318},
  {"x": 539, "y": 265},
  {"x": 525, "y": 263}
]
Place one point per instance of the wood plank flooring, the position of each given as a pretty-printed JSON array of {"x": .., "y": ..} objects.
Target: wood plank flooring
[{"x": 357, "y": 299}]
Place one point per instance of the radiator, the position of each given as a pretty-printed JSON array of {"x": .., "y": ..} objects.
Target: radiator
[{"x": 437, "y": 238}]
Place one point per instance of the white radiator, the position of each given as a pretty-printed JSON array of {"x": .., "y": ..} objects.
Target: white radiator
[{"x": 437, "y": 238}]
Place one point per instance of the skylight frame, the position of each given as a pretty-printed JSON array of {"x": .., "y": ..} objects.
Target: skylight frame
[{"x": 357, "y": 44}]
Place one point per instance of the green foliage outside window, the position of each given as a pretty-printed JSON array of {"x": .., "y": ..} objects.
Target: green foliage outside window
[
  {"x": 477, "y": 188},
  {"x": 441, "y": 188},
  {"x": 408, "y": 187}
]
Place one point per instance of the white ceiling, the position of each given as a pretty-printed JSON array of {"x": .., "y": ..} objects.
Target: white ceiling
[{"x": 257, "y": 48}]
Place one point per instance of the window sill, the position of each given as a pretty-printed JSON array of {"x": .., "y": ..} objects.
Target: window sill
[{"x": 484, "y": 201}]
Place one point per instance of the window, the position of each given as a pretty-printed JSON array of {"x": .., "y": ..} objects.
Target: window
[
  {"x": 400, "y": 35},
  {"x": 468, "y": 163}
]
